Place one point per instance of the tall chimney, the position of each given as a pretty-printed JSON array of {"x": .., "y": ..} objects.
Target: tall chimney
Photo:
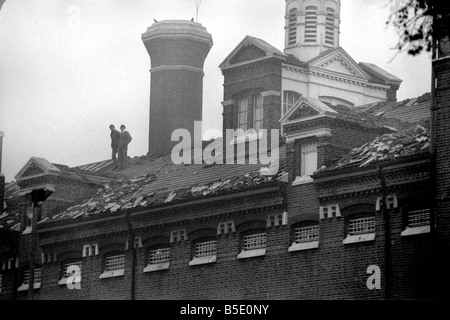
[
  {"x": 2, "y": 177},
  {"x": 177, "y": 49}
]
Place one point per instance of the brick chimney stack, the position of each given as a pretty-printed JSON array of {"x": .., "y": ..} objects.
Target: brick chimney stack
[{"x": 177, "y": 49}]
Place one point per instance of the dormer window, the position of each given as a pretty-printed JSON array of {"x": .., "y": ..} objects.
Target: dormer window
[
  {"x": 292, "y": 27},
  {"x": 311, "y": 24}
]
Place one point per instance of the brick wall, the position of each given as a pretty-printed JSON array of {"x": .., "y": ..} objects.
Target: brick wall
[
  {"x": 442, "y": 69},
  {"x": 247, "y": 81},
  {"x": 332, "y": 271}
]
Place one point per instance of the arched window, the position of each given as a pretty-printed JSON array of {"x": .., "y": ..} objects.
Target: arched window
[
  {"x": 113, "y": 262},
  {"x": 292, "y": 27},
  {"x": 311, "y": 24},
  {"x": 305, "y": 235},
  {"x": 290, "y": 98},
  {"x": 360, "y": 227},
  {"x": 158, "y": 258},
  {"x": 204, "y": 251},
  {"x": 329, "y": 26}
]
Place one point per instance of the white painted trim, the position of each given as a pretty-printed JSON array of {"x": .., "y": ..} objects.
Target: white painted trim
[
  {"x": 203, "y": 260},
  {"x": 359, "y": 238},
  {"x": 271, "y": 93},
  {"x": 239, "y": 64},
  {"x": 314, "y": 133},
  {"x": 227, "y": 103},
  {"x": 176, "y": 67},
  {"x": 50, "y": 187},
  {"x": 415, "y": 230},
  {"x": 112, "y": 274},
  {"x": 302, "y": 180},
  {"x": 157, "y": 267},
  {"x": 252, "y": 253},
  {"x": 303, "y": 246}
]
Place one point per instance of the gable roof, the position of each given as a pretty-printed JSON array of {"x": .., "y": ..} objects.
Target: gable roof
[
  {"x": 318, "y": 106},
  {"x": 331, "y": 55},
  {"x": 343, "y": 113},
  {"x": 36, "y": 167},
  {"x": 379, "y": 73},
  {"x": 269, "y": 51}
]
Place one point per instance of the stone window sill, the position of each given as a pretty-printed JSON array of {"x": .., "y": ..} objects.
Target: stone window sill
[
  {"x": 157, "y": 267},
  {"x": 359, "y": 238},
  {"x": 252, "y": 253},
  {"x": 112, "y": 274},
  {"x": 302, "y": 180},
  {"x": 416, "y": 230},
  {"x": 25, "y": 287},
  {"x": 63, "y": 281},
  {"x": 303, "y": 246},
  {"x": 203, "y": 260}
]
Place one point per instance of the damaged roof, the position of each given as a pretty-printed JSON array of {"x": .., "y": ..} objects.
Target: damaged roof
[
  {"x": 148, "y": 182},
  {"x": 414, "y": 140},
  {"x": 411, "y": 110}
]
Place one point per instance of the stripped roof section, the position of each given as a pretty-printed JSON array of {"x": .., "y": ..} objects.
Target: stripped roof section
[
  {"x": 414, "y": 140},
  {"x": 149, "y": 181}
]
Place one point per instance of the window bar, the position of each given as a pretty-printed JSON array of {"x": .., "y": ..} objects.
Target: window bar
[{"x": 254, "y": 241}]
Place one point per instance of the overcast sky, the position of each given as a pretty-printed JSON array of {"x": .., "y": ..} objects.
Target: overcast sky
[{"x": 69, "y": 68}]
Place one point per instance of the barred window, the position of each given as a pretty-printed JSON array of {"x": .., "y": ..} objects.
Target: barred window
[
  {"x": 115, "y": 262},
  {"x": 205, "y": 249},
  {"x": 292, "y": 27},
  {"x": 37, "y": 276},
  {"x": 306, "y": 234},
  {"x": 254, "y": 241},
  {"x": 160, "y": 255},
  {"x": 67, "y": 265},
  {"x": 419, "y": 218},
  {"x": 362, "y": 226}
]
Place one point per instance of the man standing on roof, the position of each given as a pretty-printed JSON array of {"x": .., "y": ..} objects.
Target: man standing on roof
[
  {"x": 124, "y": 140},
  {"x": 114, "y": 144}
]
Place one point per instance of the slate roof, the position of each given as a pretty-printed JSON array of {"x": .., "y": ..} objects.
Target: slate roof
[
  {"x": 367, "y": 120},
  {"x": 380, "y": 73},
  {"x": 411, "y": 110},
  {"x": 148, "y": 182},
  {"x": 412, "y": 141},
  {"x": 267, "y": 46}
]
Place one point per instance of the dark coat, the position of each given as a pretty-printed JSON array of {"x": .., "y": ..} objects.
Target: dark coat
[
  {"x": 124, "y": 139},
  {"x": 115, "y": 136}
]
